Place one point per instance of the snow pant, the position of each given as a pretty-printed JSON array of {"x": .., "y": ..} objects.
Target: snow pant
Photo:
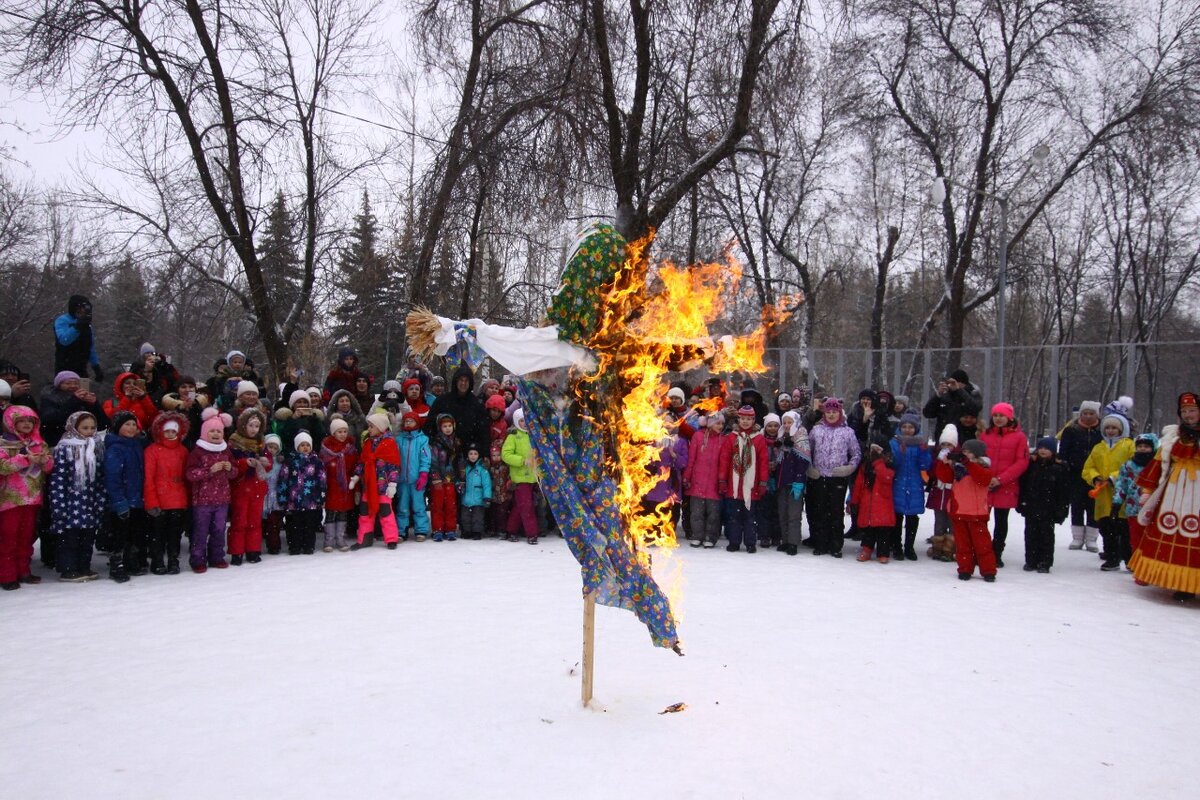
[
  {"x": 74, "y": 550},
  {"x": 973, "y": 546},
  {"x": 941, "y": 523},
  {"x": 1039, "y": 542},
  {"x": 999, "y": 530},
  {"x": 791, "y": 513},
  {"x": 335, "y": 528},
  {"x": 410, "y": 509},
  {"x": 167, "y": 527},
  {"x": 523, "y": 513},
  {"x": 18, "y": 527},
  {"x": 245, "y": 524},
  {"x": 827, "y": 503},
  {"x": 473, "y": 520},
  {"x": 48, "y": 551},
  {"x": 1116, "y": 539},
  {"x": 910, "y": 523},
  {"x": 208, "y": 534},
  {"x": 685, "y": 513},
  {"x": 389, "y": 524},
  {"x": 497, "y": 516},
  {"x": 1083, "y": 507},
  {"x": 272, "y": 526},
  {"x": 766, "y": 519},
  {"x": 1136, "y": 530},
  {"x": 443, "y": 507},
  {"x": 878, "y": 539},
  {"x": 706, "y": 519},
  {"x": 301, "y": 527},
  {"x": 741, "y": 524},
  {"x": 130, "y": 542}
]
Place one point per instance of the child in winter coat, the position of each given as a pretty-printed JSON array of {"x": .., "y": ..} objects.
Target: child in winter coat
[
  {"x": 970, "y": 507},
  {"x": 166, "y": 490},
  {"x": 1008, "y": 450},
  {"x": 251, "y": 463},
  {"x": 413, "y": 448},
  {"x": 791, "y": 479},
  {"x": 25, "y": 461},
  {"x": 340, "y": 457},
  {"x": 378, "y": 471},
  {"x": 476, "y": 493},
  {"x": 209, "y": 472},
  {"x": 522, "y": 469},
  {"x": 272, "y": 515},
  {"x": 742, "y": 479},
  {"x": 502, "y": 489},
  {"x": 1044, "y": 500},
  {"x": 910, "y": 458},
  {"x": 497, "y": 427},
  {"x": 872, "y": 497},
  {"x": 125, "y": 482},
  {"x": 766, "y": 512},
  {"x": 444, "y": 474},
  {"x": 300, "y": 492},
  {"x": 941, "y": 482},
  {"x": 1101, "y": 470},
  {"x": 129, "y": 394},
  {"x": 835, "y": 456},
  {"x": 1127, "y": 494},
  {"x": 77, "y": 497},
  {"x": 701, "y": 479}
]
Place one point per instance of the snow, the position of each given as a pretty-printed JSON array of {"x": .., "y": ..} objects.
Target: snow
[{"x": 448, "y": 670}]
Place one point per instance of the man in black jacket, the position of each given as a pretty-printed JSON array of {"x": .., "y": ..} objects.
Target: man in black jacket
[
  {"x": 461, "y": 403},
  {"x": 956, "y": 395}
]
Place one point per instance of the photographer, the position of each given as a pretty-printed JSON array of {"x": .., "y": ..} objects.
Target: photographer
[
  {"x": 60, "y": 400},
  {"x": 956, "y": 396},
  {"x": 20, "y": 392},
  {"x": 74, "y": 342},
  {"x": 151, "y": 366}
]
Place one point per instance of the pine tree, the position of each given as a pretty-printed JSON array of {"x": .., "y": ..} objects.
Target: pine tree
[
  {"x": 369, "y": 303},
  {"x": 125, "y": 316},
  {"x": 282, "y": 270}
]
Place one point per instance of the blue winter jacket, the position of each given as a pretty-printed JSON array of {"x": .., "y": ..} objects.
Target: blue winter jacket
[
  {"x": 477, "y": 484},
  {"x": 124, "y": 471},
  {"x": 414, "y": 454},
  {"x": 70, "y": 506},
  {"x": 908, "y": 488}
]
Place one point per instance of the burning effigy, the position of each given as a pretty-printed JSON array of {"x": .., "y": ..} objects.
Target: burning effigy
[{"x": 591, "y": 384}]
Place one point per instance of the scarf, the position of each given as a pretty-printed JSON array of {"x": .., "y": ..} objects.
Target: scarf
[
  {"x": 338, "y": 458},
  {"x": 744, "y": 466},
  {"x": 85, "y": 453},
  {"x": 1142, "y": 459},
  {"x": 381, "y": 449},
  {"x": 204, "y": 444}
]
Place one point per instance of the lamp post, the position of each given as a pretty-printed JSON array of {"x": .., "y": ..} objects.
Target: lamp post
[{"x": 937, "y": 193}]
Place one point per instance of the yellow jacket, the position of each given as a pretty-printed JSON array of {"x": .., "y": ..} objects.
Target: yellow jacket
[{"x": 1105, "y": 462}]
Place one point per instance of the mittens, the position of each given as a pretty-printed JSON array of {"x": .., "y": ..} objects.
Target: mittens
[{"x": 422, "y": 480}]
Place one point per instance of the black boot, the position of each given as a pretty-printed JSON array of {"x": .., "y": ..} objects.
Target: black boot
[
  {"x": 254, "y": 557},
  {"x": 235, "y": 561},
  {"x": 173, "y": 566},
  {"x": 116, "y": 567},
  {"x": 998, "y": 549},
  {"x": 156, "y": 565},
  {"x": 367, "y": 541},
  {"x": 910, "y": 549}
]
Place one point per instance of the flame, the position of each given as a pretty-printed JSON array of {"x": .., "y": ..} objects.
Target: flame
[{"x": 647, "y": 330}]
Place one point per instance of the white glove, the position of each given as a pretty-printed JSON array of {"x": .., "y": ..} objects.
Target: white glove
[
  {"x": 353, "y": 482},
  {"x": 391, "y": 490}
]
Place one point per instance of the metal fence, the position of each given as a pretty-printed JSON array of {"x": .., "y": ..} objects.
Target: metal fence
[{"x": 1044, "y": 383}]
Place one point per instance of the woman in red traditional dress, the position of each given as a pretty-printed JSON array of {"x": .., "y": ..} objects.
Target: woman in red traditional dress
[{"x": 1169, "y": 554}]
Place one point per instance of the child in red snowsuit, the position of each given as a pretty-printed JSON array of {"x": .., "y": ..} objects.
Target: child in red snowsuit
[
  {"x": 166, "y": 490},
  {"x": 379, "y": 472},
  {"x": 251, "y": 464},
  {"x": 872, "y": 496},
  {"x": 340, "y": 457},
  {"x": 970, "y": 508}
]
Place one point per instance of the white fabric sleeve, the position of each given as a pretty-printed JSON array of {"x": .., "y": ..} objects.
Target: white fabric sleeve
[{"x": 519, "y": 350}]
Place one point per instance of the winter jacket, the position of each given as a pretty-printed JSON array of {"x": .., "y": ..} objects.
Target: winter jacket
[
  {"x": 209, "y": 488},
  {"x": 354, "y": 418},
  {"x": 415, "y": 457},
  {"x": 21, "y": 480},
  {"x": 793, "y": 466},
  {"x": 171, "y": 402},
  {"x": 124, "y": 471},
  {"x": 1105, "y": 464},
  {"x": 877, "y": 428},
  {"x": 909, "y": 458},
  {"x": 378, "y": 468},
  {"x": 445, "y": 458},
  {"x": 969, "y": 497},
  {"x": 288, "y": 425},
  {"x": 515, "y": 452},
  {"x": 1008, "y": 450},
  {"x": 143, "y": 408},
  {"x": 835, "y": 451},
  {"x": 875, "y": 506},
  {"x": 249, "y": 486},
  {"x": 76, "y": 501},
  {"x": 947, "y": 409},
  {"x": 74, "y": 344},
  {"x": 301, "y": 485},
  {"x": 673, "y": 458},
  {"x": 165, "y": 466},
  {"x": 1126, "y": 492},
  {"x": 341, "y": 379},
  {"x": 469, "y": 416},
  {"x": 742, "y": 473},
  {"x": 476, "y": 485},
  {"x": 702, "y": 475},
  {"x": 1045, "y": 490},
  {"x": 340, "y": 460},
  {"x": 55, "y": 406},
  {"x": 1075, "y": 444},
  {"x": 502, "y": 487}
]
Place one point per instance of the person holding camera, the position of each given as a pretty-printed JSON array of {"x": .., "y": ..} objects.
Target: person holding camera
[
  {"x": 153, "y": 367},
  {"x": 63, "y": 397},
  {"x": 956, "y": 396},
  {"x": 129, "y": 394},
  {"x": 19, "y": 391},
  {"x": 74, "y": 341}
]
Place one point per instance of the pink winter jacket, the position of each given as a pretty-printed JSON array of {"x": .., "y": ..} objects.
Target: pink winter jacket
[
  {"x": 701, "y": 476},
  {"x": 21, "y": 480},
  {"x": 1008, "y": 450}
]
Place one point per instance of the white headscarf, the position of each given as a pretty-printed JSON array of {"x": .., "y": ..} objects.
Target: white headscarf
[{"x": 84, "y": 451}]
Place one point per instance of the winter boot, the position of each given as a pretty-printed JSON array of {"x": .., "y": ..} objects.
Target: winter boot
[
  {"x": 116, "y": 567},
  {"x": 236, "y": 560},
  {"x": 1076, "y": 537},
  {"x": 910, "y": 551},
  {"x": 367, "y": 541},
  {"x": 864, "y": 554},
  {"x": 339, "y": 535},
  {"x": 253, "y": 557},
  {"x": 173, "y": 555},
  {"x": 156, "y": 565},
  {"x": 330, "y": 536},
  {"x": 998, "y": 549},
  {"x": 1090, "y": 535}
]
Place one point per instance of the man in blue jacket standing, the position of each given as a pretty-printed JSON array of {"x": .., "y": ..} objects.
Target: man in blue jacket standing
[{"x": 74, "y": 342}]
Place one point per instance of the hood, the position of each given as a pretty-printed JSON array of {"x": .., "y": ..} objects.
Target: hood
[
  {"x": 10, "y": 420},
  {"x": 462, "y": 371},
  {"x": 496, "y": 401},
  {"x": 118, "y": 381},
  {"x": 1149, "y": 438},
  {"x": 1119, "y": 419},
  {"x": 751, "y": 397},
  {"x": 156, "y": 427},
  {"x": 345, "y": 354},
  {"x": 355, "y": 406},
  {"x": 245, "y": 417}
]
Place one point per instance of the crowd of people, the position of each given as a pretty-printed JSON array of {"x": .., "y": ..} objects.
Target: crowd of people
[{"x": 240, "y": 470}]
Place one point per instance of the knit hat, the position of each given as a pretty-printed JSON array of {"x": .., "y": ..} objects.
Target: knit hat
[
  {"x": 769, "y": 418},
  {"x": 473, "y": 446},
  {"x": 120, "y": 418},
  {"x": 1120, "y": 422},
  {"x": 1187, "y": 400},
  {"x": 496, "y": 402},
  {"x": 314, "y": 390},
  {"x": 443, "y": 418},
  {"x": 868, "y": 392},
  {"x": 229, "y": 356},
  {"x": 949, "y": 436},
  {"x": 1047, "y": 443},
  {"x": 1089, "y": 405},
  {"x": 246, "y": 387},
  {"x": 911, "y": 417},
  {"x": 438, "y": 380},
  {"x": 831, "y": 404},
  {"x": 272, "y": 438},
  {"x": 339, "y": 424},
  {"x": 975, "y": 447},
  {"x": 959, "y": 375},
  {"x": 296, "y": 397},
  {"x": 380, "y": 421},
  {"x": 214, "y": 420},
  {"x": 1123, "y": 405},
  {"x": 746, "y": 411},
  {"x": 5, "y": 389},
  {"x": 1004, "y": 408},
  {"x": 171, "y": 425},
  {"x": 302, "y": 438},
  {"x": 64, "y": 376},
  {"x": 414, "y": 416},
  {"x": 902, "y": 398},
  {"x": 145, "y": 349},
  {"x": 393, "y": 386},
  {"x": 675, "y": 392},
  {"x": 519, "y": 419}
]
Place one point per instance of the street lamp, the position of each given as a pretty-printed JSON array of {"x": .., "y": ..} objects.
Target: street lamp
[{"x": 937, "y": 193}]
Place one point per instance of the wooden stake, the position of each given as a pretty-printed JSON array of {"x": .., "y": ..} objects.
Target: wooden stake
[{"x": 589, "y": 644}]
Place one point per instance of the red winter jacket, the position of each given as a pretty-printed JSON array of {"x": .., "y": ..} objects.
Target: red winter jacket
[
  {"x": 340, "y": 460},
  {"x": 165, "y": 484},
  {"x": 143, "y": 408},
  {"x": 876, "y": 508},
  {"x": 700, "y": 478},
  {"x": 732, "y": 484},
  {"x": 970, "y": 498},
  {"x": 1008, "y": 450}
]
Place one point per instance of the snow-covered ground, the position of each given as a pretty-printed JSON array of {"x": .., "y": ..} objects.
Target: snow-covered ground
[{"x": 449, "y": 670}]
